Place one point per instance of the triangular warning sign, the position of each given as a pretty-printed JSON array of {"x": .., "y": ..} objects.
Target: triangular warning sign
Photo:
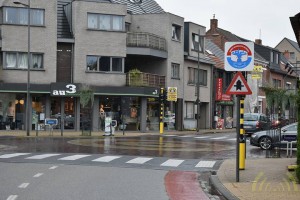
[{"x": 238, "y": 85}]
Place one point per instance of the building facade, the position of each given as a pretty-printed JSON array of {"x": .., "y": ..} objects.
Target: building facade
[{"x": 123, "y": 51}]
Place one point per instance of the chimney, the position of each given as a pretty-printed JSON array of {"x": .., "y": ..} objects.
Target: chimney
[
  {"x": 213, "y": 24},
  {"x": 286, "y": 54},
  {"x": 258, "y": 41}
]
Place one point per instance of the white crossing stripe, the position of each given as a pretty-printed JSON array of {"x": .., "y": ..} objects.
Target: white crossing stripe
[
  {"x": 75, "y": 157},
  {"x": 139, "y": 160},
  {"x": 53, "y": 167},
  {"x": 12, "y": 197},
  {"x": 202, "y": 137},
  {"x": 38, "y": 175},
  {"x": 42, "y": 156},
  {"x": 207, "y": 164},
  {"x": 106, "y": 158},
  {"x": 218, "y": 138},
  {"x": 232, "y": 139},
  {"x": 23, "y": 185},
  {"x": 185, "y": 136},
  {"x": 13, "y": 155},
  {"x": 170, "y": 135},
  {"x": 172, "y": 163}
]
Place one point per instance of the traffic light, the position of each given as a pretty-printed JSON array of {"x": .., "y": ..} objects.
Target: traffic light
[{"x": 162, "y": 95}]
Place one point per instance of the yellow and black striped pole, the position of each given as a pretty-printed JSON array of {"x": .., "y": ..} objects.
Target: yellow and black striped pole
[
  {"x": 161, "y": 115},
  {"x": 242, "y": 142}
]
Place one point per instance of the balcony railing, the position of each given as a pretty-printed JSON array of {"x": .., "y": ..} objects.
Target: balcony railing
[
  {"x": 147, "y": 40},
  {"x": 144, "y": 80}
]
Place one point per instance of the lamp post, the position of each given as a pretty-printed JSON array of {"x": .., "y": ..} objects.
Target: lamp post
[
  {"x": 28, "y": 106},
  {"x": 198, "y": 85}
]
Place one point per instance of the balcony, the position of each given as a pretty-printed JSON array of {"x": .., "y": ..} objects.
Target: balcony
[
  {"x": 144, "y": 80},
  {"x": 146, "y": 44}
]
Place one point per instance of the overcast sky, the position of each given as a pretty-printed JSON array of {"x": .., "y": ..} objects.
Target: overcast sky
[{"x": 252, "y": 19}]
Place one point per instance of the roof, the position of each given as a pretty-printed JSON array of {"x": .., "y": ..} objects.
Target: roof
[
  {"x": 145, "y": 7},
  {"x": 294, "y": 44},
  {"x": 215, "y": 53},
  {"x": 295, "y": 21}
]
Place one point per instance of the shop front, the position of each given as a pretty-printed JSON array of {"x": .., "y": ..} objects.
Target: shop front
[{"x": 134, "y": 109}]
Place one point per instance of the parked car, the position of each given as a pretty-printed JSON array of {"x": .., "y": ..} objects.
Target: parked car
[
  {"x": 254, "y": 122},
  {"x": 266, "y": 139}
]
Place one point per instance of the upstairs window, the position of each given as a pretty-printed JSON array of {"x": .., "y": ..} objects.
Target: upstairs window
[
  {"x": 292, "y": 55},
  {"x": 176, "y": 32},
  {"x": 175, "y": 71},
  {"x": 106, "y": 22},
  {"x": 197, "y": 43},
  {"x": 19, "y": 16},
  {"x": 193, "y": 76},
  {"x": 104, "y": 64},
  {"x": 19, "y": 60},
  {"x": 276, "y": 83}
]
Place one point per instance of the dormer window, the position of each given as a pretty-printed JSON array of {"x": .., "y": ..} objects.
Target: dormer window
[{"x": 197, "y": 42}]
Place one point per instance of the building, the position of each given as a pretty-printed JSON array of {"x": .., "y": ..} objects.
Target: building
[{"x": 123, "y": 51}]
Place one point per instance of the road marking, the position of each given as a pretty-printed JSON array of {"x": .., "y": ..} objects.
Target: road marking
[
  {"x": 139, "y": 160},
  {"x": 13, "y": 155},
  {"x": 207, "y": 164},
  {"x": 42, "y": 156},
  {"x": 202, "y": 137},
  {"x": 172, "y": 163},
  {"x": 75, "y": 157},
  {"x": 232, "y": 139},
  {"x": 12, "y": 197},
  {"x": 23, "y": 185},
  {"x": 186, "y": 136},
  {"x": 219, "y": 138},
  {"x": 38, "y": 175},
  {"x": 53, "y": 167},
  {"x": 170, "y": 135},
  {"x": 106, "y": 158}
]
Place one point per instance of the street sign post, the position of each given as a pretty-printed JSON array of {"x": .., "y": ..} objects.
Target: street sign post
[{"x": 239, "y": 56}]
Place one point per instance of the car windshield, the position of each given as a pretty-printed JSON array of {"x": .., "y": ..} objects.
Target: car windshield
[{"x": 249, "y": 117}]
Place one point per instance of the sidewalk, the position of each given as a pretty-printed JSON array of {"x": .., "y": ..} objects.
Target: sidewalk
[
  {"x": 68, "y": 133},
  {"x": 262, "y": 179}
]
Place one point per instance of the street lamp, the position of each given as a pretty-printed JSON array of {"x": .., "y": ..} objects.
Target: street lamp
[
  {"x": 28, "y": 106},
  {"x": 198, "y": 84}
]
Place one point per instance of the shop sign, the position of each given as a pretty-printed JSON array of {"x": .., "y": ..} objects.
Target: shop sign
[
  {"x": 226, "y": 97},
  {"x": 172, "y": 94},
  {"x": 219, "y": 89},
  {"x": 63, "y": 89}
]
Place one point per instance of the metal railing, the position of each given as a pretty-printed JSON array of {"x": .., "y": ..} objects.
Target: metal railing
[
  {"x": 146, "y": 40},
  {"x": 145, "y": 80}
]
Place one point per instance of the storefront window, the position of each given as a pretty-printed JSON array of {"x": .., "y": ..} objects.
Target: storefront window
[
  {"x": 38, "y": 112},
  {"x": 124, "y": 110},
  {"x": 12, "y": 111},
  {"x": 69, "y": 116}
]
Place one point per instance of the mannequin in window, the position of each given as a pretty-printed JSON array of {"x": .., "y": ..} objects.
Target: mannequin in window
[
  {"x": 10, "y": 113},
  {"x": 102, "y": 117}
]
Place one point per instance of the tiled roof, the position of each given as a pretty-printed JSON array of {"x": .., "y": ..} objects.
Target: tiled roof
[
  {"x": 217, "y": 55},
  {"x": 145, "y": 7}
]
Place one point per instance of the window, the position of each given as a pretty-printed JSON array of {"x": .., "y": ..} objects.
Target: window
[
  {"x": 13, "y": 15},
  {"x": 104, "y": 64},
  {"x": 272, "y": 57},
  {"x": 176, "y": 32},
  {"x": 276, "y": 58},
  {"x": 197, "y": 43},
  {"x": 19, "y": 60},
  {"x": 193, "y": 78},
  {"x": 106, "y": 22},
  {"x": 175, "y": 71},
  {"x": 190, "y": 110},
  {"x": 292, "y": 55},
  {"x": 276, "y": 83}
]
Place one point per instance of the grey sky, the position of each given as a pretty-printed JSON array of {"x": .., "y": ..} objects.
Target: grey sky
[{"x": 246, "y": 19}]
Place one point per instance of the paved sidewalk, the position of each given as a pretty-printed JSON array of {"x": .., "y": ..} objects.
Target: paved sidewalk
[{"x": 262, "y": 179}]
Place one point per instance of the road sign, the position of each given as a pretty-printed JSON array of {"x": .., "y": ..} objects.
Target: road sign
[
  {"x": 172, "y": 94},
  {"x": 239, "y": 56},
  {"x": 238, "y": 85}
]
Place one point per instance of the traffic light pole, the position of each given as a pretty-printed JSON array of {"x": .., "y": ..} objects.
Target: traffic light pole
[{"x": 161, "y": 115}]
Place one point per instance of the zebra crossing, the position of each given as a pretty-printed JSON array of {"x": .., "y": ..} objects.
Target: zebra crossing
[{"x": 94, "y": 159}]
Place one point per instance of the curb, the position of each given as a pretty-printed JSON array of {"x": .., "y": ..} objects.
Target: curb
[{"x": 218, "y": 188}]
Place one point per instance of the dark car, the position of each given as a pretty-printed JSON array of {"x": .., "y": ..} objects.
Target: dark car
[
  {"x": 266, "y": 139},
  {"x": 254, "y": 122}
]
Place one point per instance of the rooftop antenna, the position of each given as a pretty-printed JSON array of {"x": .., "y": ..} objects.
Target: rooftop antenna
[{"x": 214, "y": 15}]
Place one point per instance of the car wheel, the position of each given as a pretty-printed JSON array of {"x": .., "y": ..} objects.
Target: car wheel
[{"x": 265, "y": 143}]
